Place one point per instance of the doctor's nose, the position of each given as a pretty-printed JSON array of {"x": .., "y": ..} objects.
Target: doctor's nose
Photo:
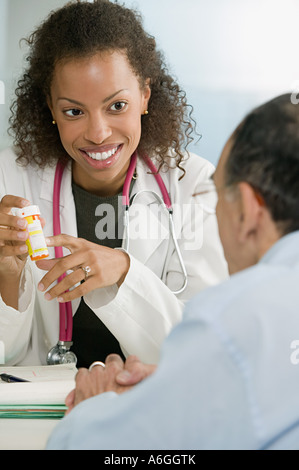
[{"x": 97, "y": 130}]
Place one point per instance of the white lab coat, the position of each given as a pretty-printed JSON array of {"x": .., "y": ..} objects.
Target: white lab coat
[{"x": 140, "y": 313}]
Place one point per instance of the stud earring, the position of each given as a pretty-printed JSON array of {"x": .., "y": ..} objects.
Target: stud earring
[
  {"x": 145, "y": 112},
  {"x": 54, "y": 122}
]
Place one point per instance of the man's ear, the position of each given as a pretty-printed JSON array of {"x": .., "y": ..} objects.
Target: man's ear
[{"x": 250, "y": 211}]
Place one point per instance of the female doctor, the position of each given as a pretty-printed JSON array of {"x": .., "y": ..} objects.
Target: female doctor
[{"x": 97, "y": 105}]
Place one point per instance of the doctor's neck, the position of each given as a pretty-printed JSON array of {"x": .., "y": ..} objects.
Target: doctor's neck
[{"x": 103, "y": 183}]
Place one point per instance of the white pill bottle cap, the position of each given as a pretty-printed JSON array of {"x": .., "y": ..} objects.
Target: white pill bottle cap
[{"x": 26, "y": 211}]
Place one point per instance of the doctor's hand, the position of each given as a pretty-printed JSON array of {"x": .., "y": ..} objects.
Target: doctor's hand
[
  {"x": 13, "y": 235},
  {"x": 97, "y": 265}
]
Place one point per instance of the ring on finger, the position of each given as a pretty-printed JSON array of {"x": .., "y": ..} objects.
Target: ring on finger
[
  {"x": 86, "y": 270},
  {"x": 97, "y": 363}
]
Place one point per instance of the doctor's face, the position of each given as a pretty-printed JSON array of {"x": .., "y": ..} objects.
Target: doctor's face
[{"x": 97, "y": 104}]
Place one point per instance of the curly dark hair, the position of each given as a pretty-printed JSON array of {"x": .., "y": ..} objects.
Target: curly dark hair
[
  {"x": 81, "y": 29},
  {"x": 265, "y": 154}
]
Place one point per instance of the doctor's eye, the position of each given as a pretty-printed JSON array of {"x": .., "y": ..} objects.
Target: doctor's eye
[
  {"x": 118, "y": 106},
  {"x": 74, "y": 112}
]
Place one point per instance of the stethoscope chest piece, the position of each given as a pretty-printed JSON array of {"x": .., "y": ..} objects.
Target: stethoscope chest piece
[{"x": 61, "y": 354}]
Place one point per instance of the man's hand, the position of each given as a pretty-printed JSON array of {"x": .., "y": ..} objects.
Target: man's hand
[
  {"x": 134, "y": 371},
  {"x": 116, "y": 376}
]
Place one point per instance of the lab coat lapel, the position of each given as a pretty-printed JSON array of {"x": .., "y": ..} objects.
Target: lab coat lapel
[{"x": 148, "y": 221}]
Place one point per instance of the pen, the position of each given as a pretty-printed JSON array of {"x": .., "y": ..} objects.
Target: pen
[{"x": 11, "y": 378}]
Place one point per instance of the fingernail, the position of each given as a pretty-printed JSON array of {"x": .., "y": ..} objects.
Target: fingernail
[
  {"x": 48, "y": 296},
  {"x": 24, "y": 248},
  {"x": 25, "y": 203},
  {"x": 22, "y": 223},
  {"x": 22, "y": 235},
  {"x": 124, "y": 376},
  {"x": 41, "y": 287},
  {"x": 48, "y": 241},
  {"x": 60, "y": 299}
]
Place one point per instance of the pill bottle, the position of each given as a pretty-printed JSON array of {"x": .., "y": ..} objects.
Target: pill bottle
[{"x": 37, "y": 247}]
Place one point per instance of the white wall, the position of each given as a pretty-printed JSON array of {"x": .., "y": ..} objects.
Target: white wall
[
  {"x": 229, "y": 55},
  {"x": 18, "y": 20}
]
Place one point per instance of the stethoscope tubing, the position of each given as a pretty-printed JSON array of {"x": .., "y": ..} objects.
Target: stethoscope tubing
[{"x": 65, "y": 309}]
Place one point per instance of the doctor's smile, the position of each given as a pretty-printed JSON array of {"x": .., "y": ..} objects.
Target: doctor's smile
[
  {"x": 102, "y": 157},
  {"x": 101, "y": 153}
]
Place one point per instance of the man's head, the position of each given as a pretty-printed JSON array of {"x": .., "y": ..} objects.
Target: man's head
[{"x": 257, "y": 180}]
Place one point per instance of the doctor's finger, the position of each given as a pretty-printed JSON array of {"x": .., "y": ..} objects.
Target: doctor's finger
[
  {"x": 57, "y": 267},
  {"x": 12, "y": 221},
  {"x": 8, "y": 201},
  {"x": 80, "y": 291},
  {"x": 6, "y": 234},
  {"x": 18, "y": 249},
  {"x": 47, "y": 264},
  {"x": 68, "y": 282},
  {"x": 67, "y": 241}
]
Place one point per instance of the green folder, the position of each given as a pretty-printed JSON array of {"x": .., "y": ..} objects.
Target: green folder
[
  {"x": 43, "y": 397},
  {"x": 33, "y": 411}
]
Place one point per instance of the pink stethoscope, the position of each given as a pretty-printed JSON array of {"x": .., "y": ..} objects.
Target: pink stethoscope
[{"x": 61, "y": 354}]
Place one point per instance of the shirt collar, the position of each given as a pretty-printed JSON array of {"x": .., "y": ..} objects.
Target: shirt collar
[{"x": 285, "y": 251}]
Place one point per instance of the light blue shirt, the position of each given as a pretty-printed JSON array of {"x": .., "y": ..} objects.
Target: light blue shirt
[{"x": 226, "y": 379}]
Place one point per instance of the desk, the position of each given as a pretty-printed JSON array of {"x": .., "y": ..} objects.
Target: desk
[
  {"x": 50, "y": 385},
  {"x": 25, "y": 434}
]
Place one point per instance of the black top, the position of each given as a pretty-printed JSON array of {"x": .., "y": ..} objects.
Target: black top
[{"x": 99, "y": 220}]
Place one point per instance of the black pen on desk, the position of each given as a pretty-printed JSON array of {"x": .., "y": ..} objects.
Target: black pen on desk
[{"x": 11, "y": 378}]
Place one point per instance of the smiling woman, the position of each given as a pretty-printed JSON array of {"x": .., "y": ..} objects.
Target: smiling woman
[{"x": 91, "y": 105}]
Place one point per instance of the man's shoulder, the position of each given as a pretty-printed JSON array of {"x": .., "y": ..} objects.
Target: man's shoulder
[
  {"x": 237, "y": 289},
  {"x": 263, "y": 288}
]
